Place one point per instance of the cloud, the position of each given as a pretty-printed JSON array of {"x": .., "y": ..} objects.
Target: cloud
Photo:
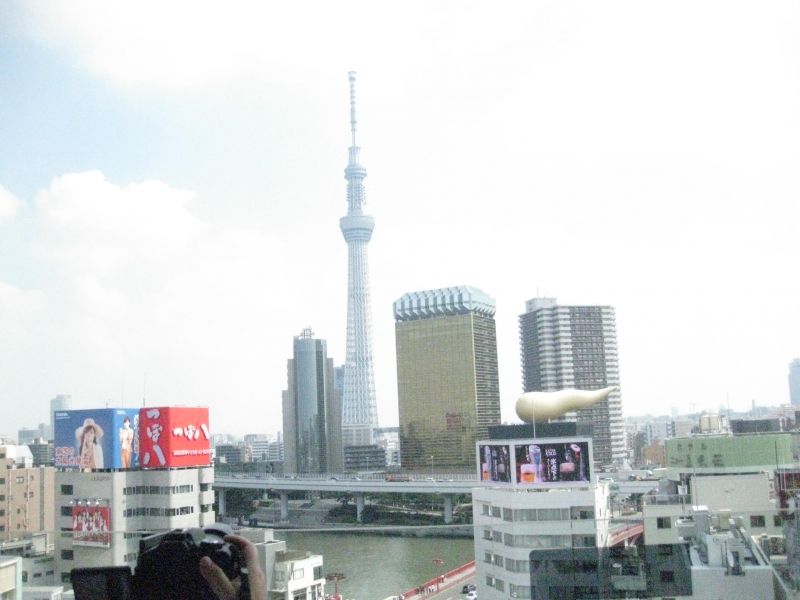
[
  {"x": 150, "y": 288},
  {"x": 9, "y": 204},
  {"x": 17, "y": 308},
  {"x": 91, "y": 225}
]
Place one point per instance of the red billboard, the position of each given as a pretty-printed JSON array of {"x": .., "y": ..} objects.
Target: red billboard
[
  {"x": 174, "y": 436},
  {"x": 91, "y": 526}
]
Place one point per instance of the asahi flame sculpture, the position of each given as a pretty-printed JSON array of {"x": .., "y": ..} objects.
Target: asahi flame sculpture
[{"x": 543, "y": 406}]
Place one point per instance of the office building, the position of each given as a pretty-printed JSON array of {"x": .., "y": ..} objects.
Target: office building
[
  {"x": 447, "y": 379},
  {"x": 25, "y": 436},
  {"x": 59, "y": 403},
  {"x": 794, "y": 382},
  {"x": 232, "y": 454},
  {"x": 518, "y": 530},
  {"x": 26, "y": 494},
  {"x": 576, "y": 347},
  {"x": 359, "y": 406},
  {"x": 126, "y": 504},
  {"x": 311, "y": 413}
]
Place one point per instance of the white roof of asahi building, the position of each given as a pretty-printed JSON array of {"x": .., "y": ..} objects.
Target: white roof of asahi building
[{"x": 443, "y": 301}]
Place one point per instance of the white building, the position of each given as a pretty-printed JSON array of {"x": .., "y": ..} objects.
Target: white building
[
  {"x": 136, "y": 502},
  {"x": 290, "y": 575},
  {"x": 10, "y": 578},
  {"x": 511, "y": 522},
  {"x": 745, "y": 495}
]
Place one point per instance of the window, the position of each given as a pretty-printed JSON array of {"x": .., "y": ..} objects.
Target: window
[
  {"x": 2, "y": 480},
  {"x": 497, "y": 560},
  {"x": 318, "y": 574},
  {"x": 508, "y": 514},
  {"x": 777, "y": 520},
  {"x": 499, "y": 584},
  {"x": 298, "y": 573},
  {"x": 24, "y": 577},
  {"x": 204, "y": 487},
  {"x": 487, "y": 557},
  {"x": 485, "y": 509},
  {"x": 2, "y": 512},
  {"x": 519, "y": 591},
  {"x": 497, "y": 536},
  {"x": 2, "y": 527},
  {"x": 664, "y": 523},
  {"x": 496, "y": 511},
  {"x": 30, "y": 494},
  {"x": 65, "y": 577},
  {"x": 487, "y": 534},
  {"x": 667, "y": 576},
  {"x": 757, "y": 521},
  {"x": 66, "y": 511},
  {"x": 20, "y": 479},
  {"x": 67, "y": 555},
  {"x": 664, "y": 549}
]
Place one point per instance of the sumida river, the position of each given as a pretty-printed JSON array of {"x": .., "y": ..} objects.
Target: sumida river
[{"x": 378, "y": 566}]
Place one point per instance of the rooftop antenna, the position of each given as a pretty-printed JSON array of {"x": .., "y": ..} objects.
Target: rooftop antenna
[{"x": 352, "y": 77}]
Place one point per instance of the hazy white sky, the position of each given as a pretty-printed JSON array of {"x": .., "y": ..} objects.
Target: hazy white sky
[{"x": 172, "y": 177}]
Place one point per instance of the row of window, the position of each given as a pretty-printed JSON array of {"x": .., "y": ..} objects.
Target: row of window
[
  {"x": 755, "y": 521},
  {"x": 573, "y": 513},
  {"x": 35, "y": 575},
  {"x": 540, "y": 541},
  {"x": 158, "y": 512},
  {"x": 159, "y": 489},
  {"x": 68, "y": 489}
]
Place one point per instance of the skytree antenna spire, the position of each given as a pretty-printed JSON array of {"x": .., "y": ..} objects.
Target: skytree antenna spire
[
  {"x": 359, "y": 407},
  {"x": 352, "y": 76}
]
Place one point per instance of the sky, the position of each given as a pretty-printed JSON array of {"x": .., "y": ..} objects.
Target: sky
[{"x": 171, "y": 179}]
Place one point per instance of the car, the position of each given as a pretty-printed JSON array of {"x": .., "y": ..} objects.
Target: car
[
  {"x": 470, "y": 587},
  {"x": 472, "y": 595}
]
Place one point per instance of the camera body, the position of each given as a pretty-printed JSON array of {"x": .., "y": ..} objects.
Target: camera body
[{"x": 168, "y": 568}]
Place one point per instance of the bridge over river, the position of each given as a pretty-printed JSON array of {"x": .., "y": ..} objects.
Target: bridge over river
[{"x": 447, "y": 486}]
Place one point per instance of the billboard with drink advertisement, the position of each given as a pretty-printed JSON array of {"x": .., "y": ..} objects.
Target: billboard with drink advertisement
[
  {"x": 91, "y": 525},
  {"x": 494, "y": 462},
  {"x": 553, "y": 462},
  {"x": 174, "y": 436},
  {"x": 104, "y": 438}
]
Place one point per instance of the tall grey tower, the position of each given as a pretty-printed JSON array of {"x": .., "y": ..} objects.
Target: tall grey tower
[
  {"x": 359, "y": 408},
  {"x": 576, "y": 347},
  {"x": 311, "y": 412},
  {"x": 794, "y": 382}
]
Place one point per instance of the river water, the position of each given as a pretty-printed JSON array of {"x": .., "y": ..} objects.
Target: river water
[{"x": 378, "y": 566}]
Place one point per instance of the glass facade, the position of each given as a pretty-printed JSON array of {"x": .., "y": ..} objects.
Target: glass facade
[{"x": 448, "y": 388}]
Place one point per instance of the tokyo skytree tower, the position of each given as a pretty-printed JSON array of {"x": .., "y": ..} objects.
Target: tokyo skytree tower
[{"x": 359, "y": 407}]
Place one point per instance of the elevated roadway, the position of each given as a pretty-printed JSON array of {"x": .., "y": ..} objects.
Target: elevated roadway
[{"x": 446, "y": 485}]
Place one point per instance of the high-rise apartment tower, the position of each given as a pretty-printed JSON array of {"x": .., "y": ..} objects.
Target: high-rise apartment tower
[
  {"x": 311, "y": 410},
  {"x": 794, "y": 382},
  {"x": 359, "y": 407},
  {"x": 575, "y": 347},
  {"x": 447, "y": 381}
]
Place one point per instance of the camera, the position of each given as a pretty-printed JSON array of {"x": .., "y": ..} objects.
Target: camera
[{"x": 168, "y": 568}]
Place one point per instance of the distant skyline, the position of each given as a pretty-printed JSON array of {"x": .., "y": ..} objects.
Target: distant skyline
[{"x": 172, "y": 182}]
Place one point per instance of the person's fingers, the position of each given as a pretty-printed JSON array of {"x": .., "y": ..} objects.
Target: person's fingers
[
  {"x": 216, "y": 578},
  {"x": 258, "y": 583}
]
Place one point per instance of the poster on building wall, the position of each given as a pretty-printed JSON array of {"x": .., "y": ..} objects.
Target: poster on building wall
[
  {"x": 91, "y": 526},
  {"x": 174, "y": 436},
  {"x": 494, "y": 462},
  {"x": 540, "y": 462},
  {"x": 536, "y": 462},
  {"x": 97, "y": 439}
]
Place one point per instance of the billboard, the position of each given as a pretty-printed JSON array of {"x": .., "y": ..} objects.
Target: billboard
[
  {"x": 495, "y": 462},
  {"x": 532, "y": 462},
  {"x": 104, "y": 438},
  {"x": 174, "y": 436},
  {"x": 91, "y": 526}
]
